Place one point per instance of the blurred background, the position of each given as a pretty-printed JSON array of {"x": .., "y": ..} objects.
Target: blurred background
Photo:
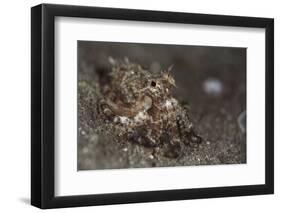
[{"x": 212, "y": 80}]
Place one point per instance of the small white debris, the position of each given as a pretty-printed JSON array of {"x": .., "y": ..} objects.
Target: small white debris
[
  {"x": 124, "y": 120},
  {"x": 170, "y": 103},
  {"x": 116, "y": 119},
  {"x": 140, "y": 117},
  {"x": 213, "y": 86},
  {"x": 125, "y": 149},
  {"x": 151, "y": 156},
  {"x": 111, "y": 60}
]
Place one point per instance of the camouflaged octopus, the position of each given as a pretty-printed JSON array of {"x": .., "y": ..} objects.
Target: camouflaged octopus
[{"x": 142, "y": 103}]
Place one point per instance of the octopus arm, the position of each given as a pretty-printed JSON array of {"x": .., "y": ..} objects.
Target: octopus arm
[{"x": 143, "y": 104}]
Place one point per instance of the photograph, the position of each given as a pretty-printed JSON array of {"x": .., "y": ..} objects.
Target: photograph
[
  {"x": 143, "y": 105},
  {"x": 139, "y": 105}
]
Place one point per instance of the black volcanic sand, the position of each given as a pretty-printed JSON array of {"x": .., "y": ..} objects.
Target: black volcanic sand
[{"x": 215, "y": 111}]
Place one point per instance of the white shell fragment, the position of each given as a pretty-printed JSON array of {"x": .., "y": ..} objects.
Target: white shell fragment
[{"x": 241, "y": 120}]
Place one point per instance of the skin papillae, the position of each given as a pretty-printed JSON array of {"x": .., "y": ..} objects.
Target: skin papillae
[{"x": 141, "y": 104}]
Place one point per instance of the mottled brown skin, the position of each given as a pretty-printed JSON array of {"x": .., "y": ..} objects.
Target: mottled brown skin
[{"x": 142, "y": 104}]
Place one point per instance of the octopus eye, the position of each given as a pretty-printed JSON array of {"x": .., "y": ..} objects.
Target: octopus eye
[{"x": 153, "y": 84}]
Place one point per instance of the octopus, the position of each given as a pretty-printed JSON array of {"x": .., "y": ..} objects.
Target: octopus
[{"x": 141, "y": 103}]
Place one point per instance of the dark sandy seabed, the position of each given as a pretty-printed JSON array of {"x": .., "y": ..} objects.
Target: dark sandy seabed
[{"x": 211, "y": 80}]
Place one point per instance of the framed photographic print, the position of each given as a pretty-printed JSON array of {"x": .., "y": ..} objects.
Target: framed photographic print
[{"x": 139, "y": 106}]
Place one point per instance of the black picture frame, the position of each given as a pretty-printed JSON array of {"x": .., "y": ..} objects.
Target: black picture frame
[{"x": 43, "y": 105}]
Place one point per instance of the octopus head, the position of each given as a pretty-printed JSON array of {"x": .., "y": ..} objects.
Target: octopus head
[{"x": 161, "y": 86}]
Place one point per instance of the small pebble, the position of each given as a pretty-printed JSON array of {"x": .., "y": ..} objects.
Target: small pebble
[
  {"x": 212, "y": 86},
  {"x": 151, "y": 156},
  {"x": 85, "y": 150}
]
